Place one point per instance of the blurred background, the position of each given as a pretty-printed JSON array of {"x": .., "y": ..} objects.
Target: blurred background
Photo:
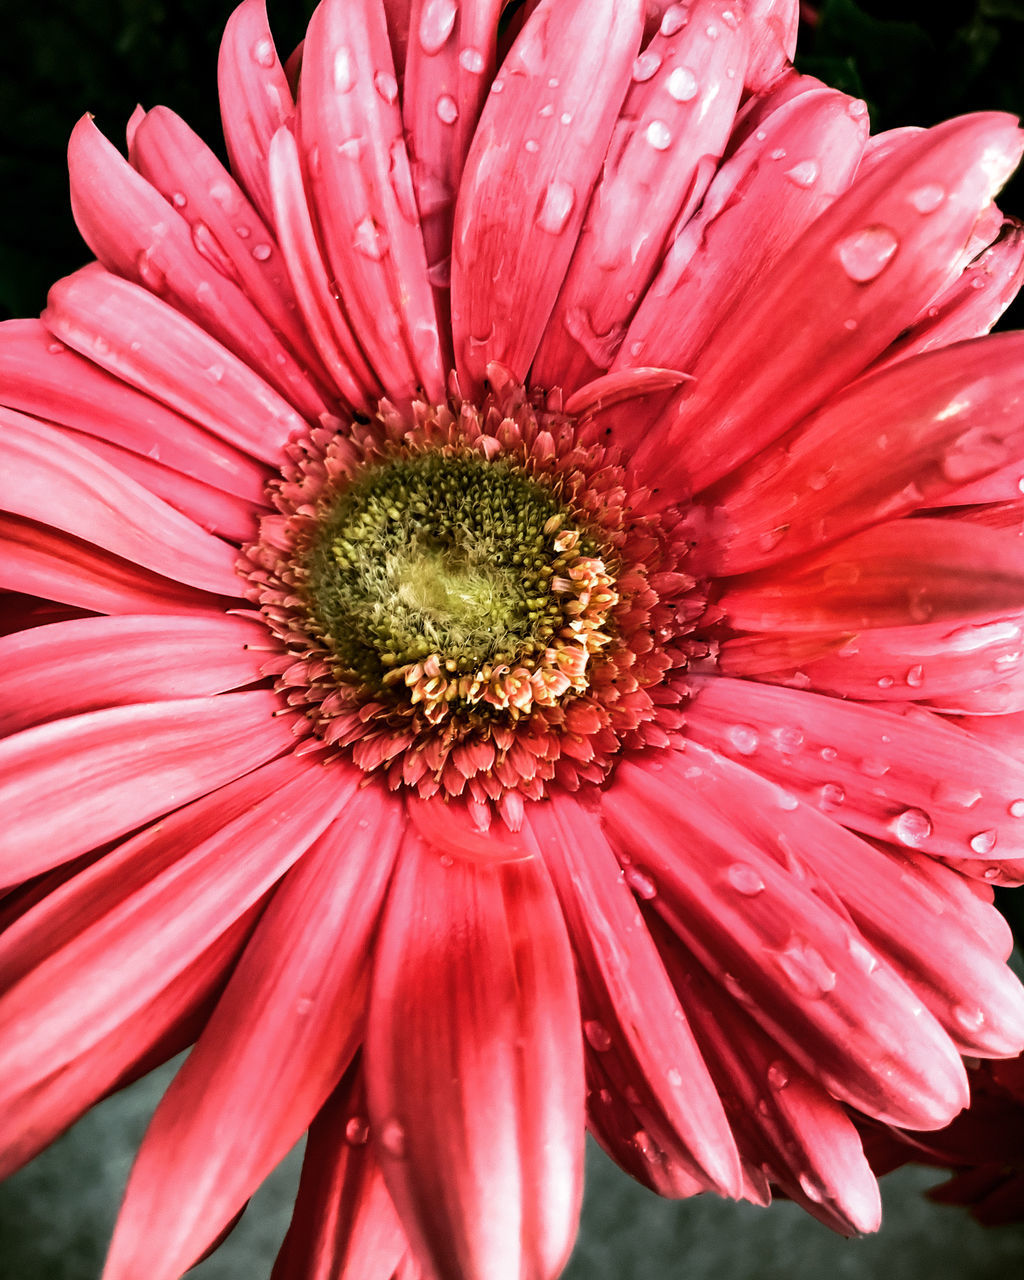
[{"x": 914, "y": 63}]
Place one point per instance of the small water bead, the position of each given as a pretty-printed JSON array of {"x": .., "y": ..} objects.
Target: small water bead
[
  {"x": 857, "y": 109},
  {"x": 531, "y": 145},
  {"x": 927, "y": 199},
  {"x": 56, "y": 348},
  {"x": 641, "y": 883},
  {"x": 659, "y": 135},
  {"x": 779, "y": 153},
  {"x": 743, "y": 738},
  {"x": 778, "y": 1076},
  {"x": 984, "y": 842},
  {"x": 557, "y": 207},
  {"x": 865, "y": 254},
  {"x": 744, "y": 879},
  {"x": 447, "y": 109},
  {"x": 263, "y": 53},
  {"x": 992, "y": 873},
  {"x": 1017, "y": 809},
  {"x": 472, "y": 60},
  {"x": 386, "y": 85},
  {"x": 393, "y": 1139},
  {"x": 344, "y": 70},
  {"x": 711, "y": 31},
  {"x": 597, "y": 1035},
  {"x": 357, "y": 1131},
  {"x": 832, "y": 795},
  {"x": 646, "y": 65},
  {"x": 261, "y": 252},
  {"x": 437, "y": 21},
  {"x": 675, "y": 1077},
  {"x": 915, "y": 677},
  {"x": 806, "y": 968},
  {"x": 682, "y": 85},
  {"x": 370, "y": 240},
  {"x": 804, "y": 174},
  {"x": 243, "y": 233},
  {"x": 912, "y": 827},
  {"x": 730, "y": 19},
  {"x": 179, "y": 199}
]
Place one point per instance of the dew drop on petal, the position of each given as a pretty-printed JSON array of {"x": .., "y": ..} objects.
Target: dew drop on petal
[
  {"x": 261, "y": 252},
  {"x": 179, "y": 199},
  {"x": 386, "y": 85},
  {"x": 804, "y": 174},
  {"x": 597, "y": 1035},
  {"x": 357, "y": 1131},
  {"x": 437, "y": 20},
  {"x": 743, "y": 738},
  {"x": 659, "y": 135},
  {"x": 674, "y": 19},
  {"x": 744, "y": 879},
  {"x": 531, "y": 145},
  {"x": 912, "y": 827},
  {"x": 641, "y": 883},
  {"x": 806, "y": 968},
  {"x": 472, "y": 60},
  {"x": 927, "y": 199},
  {"x": 857, "y": 109},
  {"x": 675, "y": 1077},
  {"x": 392, "y": 1138},
  {"x": 865, "y": 254},
  {"x": 263, "y": 53},
  {"x": 969, "y": 1017},
  {"x": 447, "y": 109},
  {"x": 344, "y": 70},
  {"x": 984, "y": 842},
  {"x": 1017, "y": 809},
  {"x": 646, "y": 65},
  {"x": 832, "y": 795},
  {"x": 370, "y": 240},
  {"x": 811, "y": 1188},
  {"x": 682, "y": 84},
  {"x": 556, "y": 207}
]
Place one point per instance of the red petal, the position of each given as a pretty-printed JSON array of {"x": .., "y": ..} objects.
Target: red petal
[
  {"x": 276, "y": 1045},
  {"x": 474, "y": 1066},
  {"x": 521, "y": 206},
  {"x": 773, "y": 25}
]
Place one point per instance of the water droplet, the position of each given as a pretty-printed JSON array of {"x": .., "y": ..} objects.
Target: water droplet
[
  {"x": 646, "y": 65},
  {"x": 984, "y": 842},
  {"x": 927, "y": 199},
  {"x": 804, "y": 174},
  {"x": 743, "y": 738},
  {"x": 386, "y": 85},
  {"x": 472, "y": 60},
  {"x": 682, "y": 85},
  {"x": 56, "y": 348},
  {"x": 806, "y": 968},
  {"x": 392, "y": 1138},
  {"x": 788, "y": 738},
  {"x": 729, "y": 18},
  {"x": 991, "y": 873},
  {"x": 811, "y": 1188},
  {"x": 970, "y": 1018},
  {"x": 778, "y": 1076},
  {"x": 179, "y": 199},
  {"x": 344, "y": 70},
  {"x": 711, "y": 31},
  {"x": 357, "y": 1131},
  {"x": 915, "y": 677},
  {"x": 1017, "y": 809},
  {"x": 675, "y": 1077},
  {"x": 744, "y": 879},
  {"x": 531, "y": 145},
  {"x": 867, "y": 960},
  {"x": 828, "y": 754},
  {"x": 437, "y": 21},
  {"x": 597, "y": 1035},
  {"x": 446, "y": 860},
  {"x": 556, "y": 207},
  {"x": 857, "y": 109},
  {"x": 641, "y": 883},
  {"x": 832, "y": 795},
  {"x": 956, "y": 795},
  {"x": 912, "y": 827},
  {"x": 447, "y": 109},
  {"x": 261, "y": 252},
  {"x": 779, "y": 153},
  {"x": 674, "y": 19},
  {"x": 263, "y": 53},
  {"x": 659, "y": 135},
  {"x": 866, "y": 253},
  {"x": 370, "y": 240}
]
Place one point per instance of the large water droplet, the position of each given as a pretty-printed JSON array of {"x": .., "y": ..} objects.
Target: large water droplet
[
  {"x": 659, "y": 135},
  {"x": 447, "y": 109},
  {"x": 674, "y": 19},
  {"x": 744, "y": 879},
  {"x": 597, "y": 1035},
  {"x": 682, "y": 85},
  {"x": 804, "y": 174},
  {"x": 984, "y": 842},
  {"x": 556, "y": 207},
  {"x": 437, "y": 21},
  {"x": 806, "y": 968},
  {"x": 866, "y": 253},
  {"x": 344, "y": 70},
  {"x": 743, "y": 738},
  {"x": 263, "y": 53},
  {"x": 927, "y": 199},
  {"x": 912, "y": 827}
]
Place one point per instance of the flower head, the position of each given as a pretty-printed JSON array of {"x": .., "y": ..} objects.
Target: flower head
[{"x": 534, "y": 633}]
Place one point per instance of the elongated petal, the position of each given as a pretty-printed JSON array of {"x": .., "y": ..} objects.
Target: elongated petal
[
  {"x": 139, "y": 235},
  {"x": 276, "y": 1045},
  {"x": 870, "y": 769},
  {"x": 84, "y": 665},
  {"x": 521, "y": 206},
  {"x": 893, "y": 442},
  {"x": 773, "y": 26},
  {"x": 72, "y": 784},
  {"x": 629, "y": 1010},
  {"x": 132, "y": 334},
  {"x": 858, "y": 276},
  {"x": 45, "y": 379},
  {"x": 797, "y": 965},
  {"x": 343, "y": 1221},
  {"x": 357, "y": 169},
  {"x": 755, "y": 209},
  {"x": 674, "y": 124},
  {"x": 48, "y": 477},
  {"x": 474, "y": 1015},
  {"x": 255, "y": 100}
]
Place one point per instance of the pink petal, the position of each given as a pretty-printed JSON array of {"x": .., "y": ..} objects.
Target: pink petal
[
  {"x": 45, "y": 379},
  {"x": 343, "y": 1219},
  {"x": 755, "y": 208},
  {"x": 68, "y": 667},
  {"x": 72, "y": 784},
  {"x": 773, "y": 25},
  {"x": 451, "y": 65},
  {"x": 358, "y": 179},
  {"x": 521, "y": 206},
  {"x": 255, "y": 100},
  {"x": 474, "y": 1066},
  {"x": 673, "y": 126},
  {"x": 317, "y": 298},
  {"x": 149, "y": 345},
  {"x": 785, "y": 1122},
  {"x": 98, "y": 979},
  {"x": 795, "y": 964},
  {"x": 631, "y": 1016},
  {"x": 891, "y": 575},
  {"x": 276, "y": 1045},
  {"x": 48, "y": 477},
  {"x": 896, "y": 777},
  {"x": 42, "y": 562},
  {"x": 224, "y": 224},
  {"x": 891, "y": 443},
  {"x": 139, "y": 235},
  {"x": 853, "y": 281}
]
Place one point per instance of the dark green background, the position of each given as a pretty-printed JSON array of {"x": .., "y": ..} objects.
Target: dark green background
[{"x": 58, "y": 59}]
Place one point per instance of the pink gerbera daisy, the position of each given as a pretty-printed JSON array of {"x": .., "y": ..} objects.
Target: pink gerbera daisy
[{"x": 534, "y": 636}]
